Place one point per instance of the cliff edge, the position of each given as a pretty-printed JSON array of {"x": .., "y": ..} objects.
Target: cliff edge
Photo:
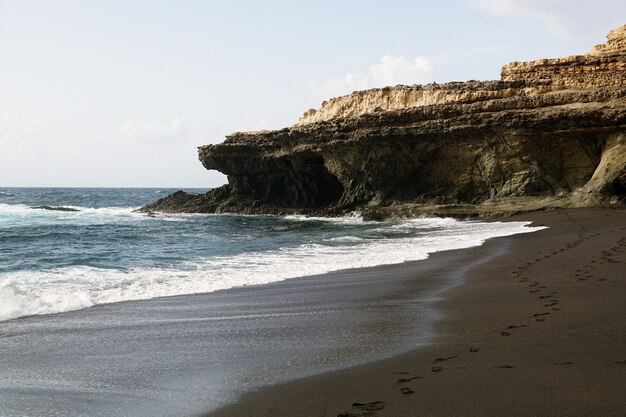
[{"x": 550, "y": 133}]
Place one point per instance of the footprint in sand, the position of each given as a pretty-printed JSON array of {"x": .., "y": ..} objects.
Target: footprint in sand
[
  {"x": 406, "y": 380},
  {"x": 363, "y": 409},
  {"x": 447, "y": 358},
  {"x": 437, "y": 369}
]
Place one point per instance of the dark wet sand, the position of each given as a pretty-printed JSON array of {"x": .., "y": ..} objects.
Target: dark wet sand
[
  {"x": 539, "y": 330},
  {"x": 189, "y": 355}
]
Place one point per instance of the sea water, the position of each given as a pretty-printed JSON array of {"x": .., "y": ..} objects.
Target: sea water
[
  {"x": 55, "y": 261},
  {"x": 108, "y": 312}
]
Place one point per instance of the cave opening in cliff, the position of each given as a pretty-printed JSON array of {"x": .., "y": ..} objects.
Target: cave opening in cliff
[
  {"x": 619, "y": 184},
  {"x": 305, "y": 184}
]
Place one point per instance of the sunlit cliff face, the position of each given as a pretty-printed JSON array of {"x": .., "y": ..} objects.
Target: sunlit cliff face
[{"x": 551, "y": 130}]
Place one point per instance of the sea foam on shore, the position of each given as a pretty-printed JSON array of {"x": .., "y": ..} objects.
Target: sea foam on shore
[{"x": 60, "y": 261}]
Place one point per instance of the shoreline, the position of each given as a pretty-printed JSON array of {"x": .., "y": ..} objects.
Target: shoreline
[
  {"x": 402, "y": 252},
  {"x": 538, "y": 331},
  {"x": 190, "y": 354}
]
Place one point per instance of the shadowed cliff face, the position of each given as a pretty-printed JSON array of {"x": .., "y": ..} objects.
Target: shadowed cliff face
[{"x": 551, "y": 133}]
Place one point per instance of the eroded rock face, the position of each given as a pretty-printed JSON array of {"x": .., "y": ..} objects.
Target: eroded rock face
[
  {"x": 603, "y": 66},
  {"x": 403, "y": 97},
  {"x": 550, "y": 133},
  {"x": 615, "y": 43}
]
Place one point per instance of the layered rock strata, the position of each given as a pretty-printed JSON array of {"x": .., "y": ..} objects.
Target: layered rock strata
[
  {"x": 603, "y": 66},
  {"x": 551, "y": 133}
]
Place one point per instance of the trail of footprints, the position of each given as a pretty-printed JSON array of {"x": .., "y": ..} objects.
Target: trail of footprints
[
  {"x": 585, "y": 273},
  {"x": 547, "y": 298},
  {"x": 549, "y": 304}
]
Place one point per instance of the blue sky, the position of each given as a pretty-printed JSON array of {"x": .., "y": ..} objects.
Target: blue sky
[{"x": 120, "y": 93}]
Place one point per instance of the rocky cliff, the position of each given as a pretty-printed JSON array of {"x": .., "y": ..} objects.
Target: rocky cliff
[{"x": 550, "y": 133}]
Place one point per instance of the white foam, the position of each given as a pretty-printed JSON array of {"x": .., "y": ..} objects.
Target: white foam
[
  {"x": 23, "y": 208},
  {"x": 353, "y": 218},
  {"x": 42, "y": 292},
  {"x": 12, "y": 215},
  {"x": 344, "y": 239}
]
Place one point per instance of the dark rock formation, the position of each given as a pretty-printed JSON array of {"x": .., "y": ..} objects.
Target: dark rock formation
[
  {"x": 551, "y": 133},
  {"x": 54, "y": 208}
]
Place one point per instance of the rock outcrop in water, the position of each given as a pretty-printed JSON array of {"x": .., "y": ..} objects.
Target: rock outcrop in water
[
  {"x": 550, "y": 133},
  {"x": 53, "y": 208}
]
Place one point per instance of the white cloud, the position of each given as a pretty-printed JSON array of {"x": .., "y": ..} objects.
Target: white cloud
[
  {"x": 563, "y": 18},
  {"x": 391, "y": 70},
  {"x": 397, "y": 70},
  {"x": 155, "y": 131}
]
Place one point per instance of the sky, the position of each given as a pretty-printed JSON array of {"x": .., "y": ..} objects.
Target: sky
[{"x": 120, "y": 93}]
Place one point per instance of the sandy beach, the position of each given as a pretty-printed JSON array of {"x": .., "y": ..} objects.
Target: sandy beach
[
  {"x": 189, "y": 355},
  {"x": 313, "y": 209},
  {"x": 537, "y": 329}
]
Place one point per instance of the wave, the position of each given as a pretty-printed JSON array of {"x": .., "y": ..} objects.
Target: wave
[
  {"x": 353, "y": 218},
  {"x": 21, "y": 208},
  {"x": 24, "y": 293},
  {"x": 37, "y": 212},
  {"x": 51, "y": 212},
  {"x": 24, "y": 215}
]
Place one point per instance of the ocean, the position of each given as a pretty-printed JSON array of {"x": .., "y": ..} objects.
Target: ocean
[{"x": 104, "y": 311}]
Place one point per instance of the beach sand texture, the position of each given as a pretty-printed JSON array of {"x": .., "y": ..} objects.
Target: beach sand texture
[{"x": 538, "y": 330}]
